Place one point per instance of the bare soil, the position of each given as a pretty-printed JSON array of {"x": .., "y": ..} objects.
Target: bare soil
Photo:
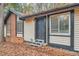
[{"x": 11, "y": 49}]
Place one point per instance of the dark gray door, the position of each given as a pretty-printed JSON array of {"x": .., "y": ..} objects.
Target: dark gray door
[{"x": 40, "y": 28}]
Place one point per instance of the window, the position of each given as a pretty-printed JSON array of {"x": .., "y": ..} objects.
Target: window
[
  {"x": 64, "y": 24},
  {"x": 54, "y": 24},
  {"x": 60, "y": 23},
  {"x": 8, "y": 28},
  {"x": 19, "y": 26}
]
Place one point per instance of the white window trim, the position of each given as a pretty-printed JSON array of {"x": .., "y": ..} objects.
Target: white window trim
[{"x": 58, "y": 26}]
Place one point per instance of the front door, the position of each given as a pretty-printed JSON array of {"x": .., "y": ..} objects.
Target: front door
[{"x": 40, "y": 29}]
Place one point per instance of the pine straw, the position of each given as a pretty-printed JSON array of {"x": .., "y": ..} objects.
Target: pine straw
[{"x": 11, "y": 49}]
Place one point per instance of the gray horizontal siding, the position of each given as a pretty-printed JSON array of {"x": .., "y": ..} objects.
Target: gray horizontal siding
[
  {"x": 76, "y": 29},
  {"x": 60, "y": 40}
]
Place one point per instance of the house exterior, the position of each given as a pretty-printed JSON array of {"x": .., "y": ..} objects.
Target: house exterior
[
  {"x": 12, "y": 33},
  {"x": 58, "y": 27}
]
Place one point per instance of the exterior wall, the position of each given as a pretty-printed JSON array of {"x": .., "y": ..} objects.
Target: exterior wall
[
  {"x": 60, "y": 40},
  {"x": 13, "y": 38},
  {"x": 29, "y": 29},
  {"x": 76, "y": 29},
  {"x": 8, "y": 34}
]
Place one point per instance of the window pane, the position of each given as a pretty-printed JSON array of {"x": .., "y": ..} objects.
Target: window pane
[
  {"x": 64, "y": 23},
  {"x": 60, "y": 23},
  {"x": 19, "y": 27},
  {"x": 8, "y": 27},
  {"x": 54, "y": 24}
]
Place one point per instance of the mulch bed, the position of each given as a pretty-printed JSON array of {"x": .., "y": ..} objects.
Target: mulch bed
[{"x": 11, "y": 49}]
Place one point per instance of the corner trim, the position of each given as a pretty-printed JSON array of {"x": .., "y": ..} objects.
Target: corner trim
[{"x": 72, "y": 29}]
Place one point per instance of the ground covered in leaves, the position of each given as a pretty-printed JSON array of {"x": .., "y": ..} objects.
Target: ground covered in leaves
[{"x": 11, "y": 49}]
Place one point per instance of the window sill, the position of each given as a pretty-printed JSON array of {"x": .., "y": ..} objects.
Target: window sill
[{"x": 60, "y": 34}]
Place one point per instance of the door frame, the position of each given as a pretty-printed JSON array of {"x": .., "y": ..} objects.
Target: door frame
[{"x": 36, "y": 27}]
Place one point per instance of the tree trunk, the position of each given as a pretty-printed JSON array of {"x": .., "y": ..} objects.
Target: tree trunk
[{"x": 1, "y": 23}]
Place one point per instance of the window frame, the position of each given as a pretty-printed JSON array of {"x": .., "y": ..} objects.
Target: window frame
[
  {"x": 51, "y": 22},
  {"x": 19, "y": 34},
  {"x": 8, "y": 27},
  {"x": 59, "y": 33},
  {"x": 20, "y": 31}
]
